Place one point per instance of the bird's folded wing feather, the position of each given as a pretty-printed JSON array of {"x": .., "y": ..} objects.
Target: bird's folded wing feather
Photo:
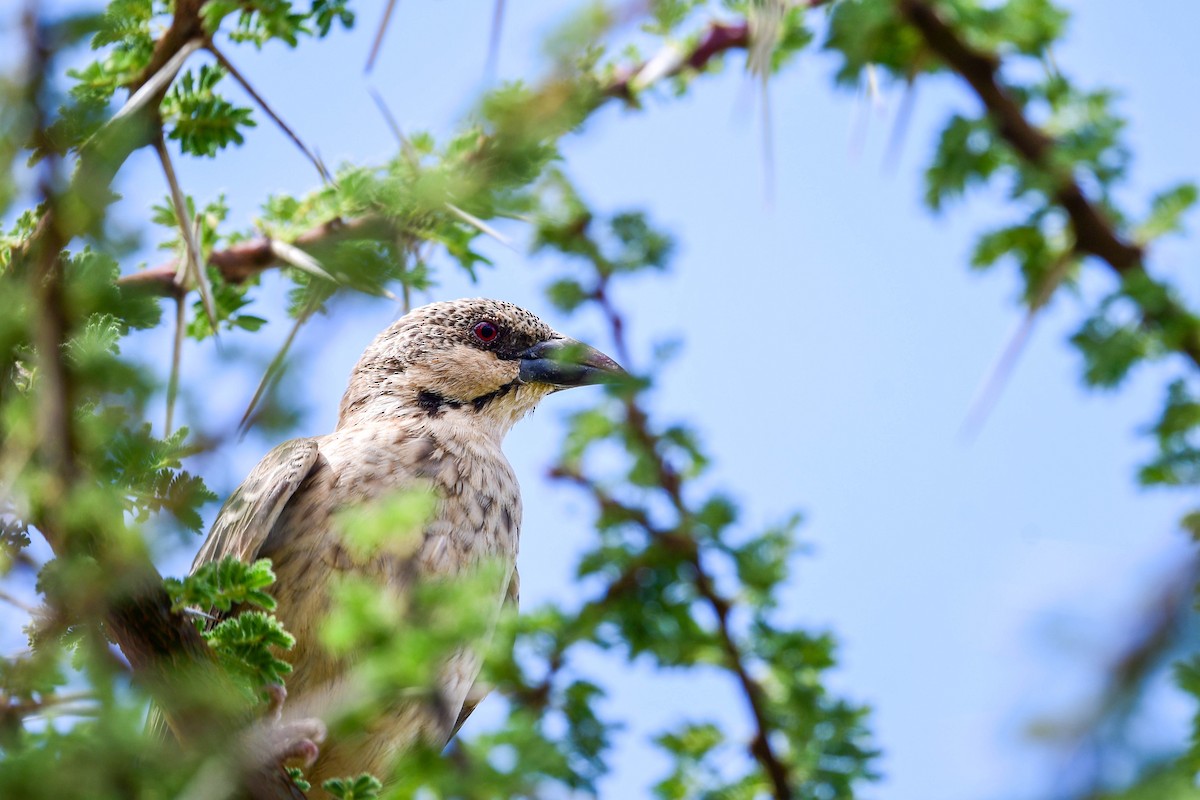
[
  {"x": 479, "y": 690},
  {"x": 253, "y": 508},
  {"x": 250, "y": 513}
]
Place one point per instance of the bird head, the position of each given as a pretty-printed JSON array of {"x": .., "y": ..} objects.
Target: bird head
[{"x": 487, "y": 359}]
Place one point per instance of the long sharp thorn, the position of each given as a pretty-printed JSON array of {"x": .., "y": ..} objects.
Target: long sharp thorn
[
  {"x": 274, "y": 370},
  {"x": 299, "y": 259},
  {"x": 202, "y": 281},
  {"x": 768, "y": 145},
  {"x": 405, "y": 145},
  {"x": 476, "y": 222},
  {"x": 192, "y": 255},
  {"x": 378, "y": 43},
  {"x": 158, "y": 81},
  {"x": 176, "y": 359},
  {"x": 900, "y": 126},
  {"x": 270, "y": 112},
  {"x": 993, "y": 384},
  {"x": 493, "y": 54}
]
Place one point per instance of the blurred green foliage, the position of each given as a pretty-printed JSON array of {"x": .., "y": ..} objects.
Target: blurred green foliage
[{"x": 673, "y": 578}]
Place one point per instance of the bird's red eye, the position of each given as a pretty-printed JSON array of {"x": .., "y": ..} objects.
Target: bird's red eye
[{"x": 486, "y": 331}]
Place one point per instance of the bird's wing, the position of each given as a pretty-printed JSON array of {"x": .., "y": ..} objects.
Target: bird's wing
[
  {"x": 252, "y": 510},
  {"x": 480, "y": 689},
  {"x": 249, "y": 514}
]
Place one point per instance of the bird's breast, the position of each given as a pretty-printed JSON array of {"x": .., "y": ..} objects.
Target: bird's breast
[
  {"x": 477, "y": 514},
  {"x": 476, "y": 522}
]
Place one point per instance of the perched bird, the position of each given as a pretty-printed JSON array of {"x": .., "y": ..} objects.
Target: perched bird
[{"x": 429, "y": 403}]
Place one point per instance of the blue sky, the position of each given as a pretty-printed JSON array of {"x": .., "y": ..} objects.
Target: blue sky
[{"x": 834, "y": 340}]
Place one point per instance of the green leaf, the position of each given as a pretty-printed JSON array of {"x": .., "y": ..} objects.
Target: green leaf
[
  {"x": 221, "y": 585},
  {"x": 566, "y": 294},
  {"x": 297, "y": 776},
  {"x": 202, "y": 121},
  {"x": 247, "y": 643},
  {"x": 1166, "y": 212},
  {"x": 247, "y": 322},
  {"x": 392, "y": 524},
  {"x": 967, "y": 155},
  {"x": 364, "y": 787}
]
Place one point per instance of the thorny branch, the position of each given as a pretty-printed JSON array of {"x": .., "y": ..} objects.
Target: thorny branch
[
  {"x": 684, "y": 545},
  {"x": 1091, "y": 733},
  {"x": 164, "y": 631},
  {"x": 46, "y": 280},
  {"x": 719, "y": 38},
  {"x": 244, "y": 260},
  {"x": 1094, "y": 232},
  {"x": 156, "y": 640},
  {"x": 102, "y": 156}
]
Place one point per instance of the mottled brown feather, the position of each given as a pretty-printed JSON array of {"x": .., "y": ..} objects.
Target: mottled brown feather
[{"x": 252, "y": 510}]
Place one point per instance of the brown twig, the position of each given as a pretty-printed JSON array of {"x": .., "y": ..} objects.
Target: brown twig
[
  {"x": 185, "y": 26},
  {"x": 687, "y": 547},
  {"x": 756, "y": 698},
  {"x": 167, "y": 654},
  {"x": 24, "y": 706},
  {"x": 1150, "y": 642},
  {"x": 241, "y": 261},
  {"x": 719, "y": 38},
  {"x": 1094, "y": 232},
  {"x": 17, "y": 602},
  {"x": 245, "y": 260}
]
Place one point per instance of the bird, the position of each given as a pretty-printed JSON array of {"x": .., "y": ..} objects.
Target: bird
[{"x": 428, "y": 405}]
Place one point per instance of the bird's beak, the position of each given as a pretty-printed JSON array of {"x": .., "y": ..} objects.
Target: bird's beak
[{"x": 563, "y": 362}]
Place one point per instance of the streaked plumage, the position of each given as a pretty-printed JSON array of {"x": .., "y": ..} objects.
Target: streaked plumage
[{"x": 428, "y": 403}]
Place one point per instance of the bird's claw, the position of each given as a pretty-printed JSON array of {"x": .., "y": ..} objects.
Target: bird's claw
[
  {"x": 274, "y": 741},
  {"x": 296, "y": 742},
  {"x": 276, "y": 696}
]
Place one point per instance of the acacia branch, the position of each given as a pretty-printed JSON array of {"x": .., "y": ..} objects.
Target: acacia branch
[
  {"x": 152, "y": 636},
  {"x": 718, "y": 38},
  {"x": 756, "y": 696},
  {"x": 244, "y": 260},
  {"x": 167, "y": 654},
  {"x": 685, "y": 547},
  {"x": 102, "y": 156},
  {"x": 1094, "y": 233},
  {"x": 681, "y": 543}
]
